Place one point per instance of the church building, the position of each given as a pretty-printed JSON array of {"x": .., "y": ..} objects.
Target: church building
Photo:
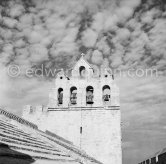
[{"x": 84, "y": 109}]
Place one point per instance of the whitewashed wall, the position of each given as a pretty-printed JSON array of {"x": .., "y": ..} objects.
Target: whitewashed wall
[
  {"x": 101, "y": 131},
  {"x": 100, "y": 122}
]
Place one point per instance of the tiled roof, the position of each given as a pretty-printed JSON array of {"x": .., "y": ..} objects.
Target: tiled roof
[
  {"x": 162, "y": 151},
  {"x": 19, "y": 139}
]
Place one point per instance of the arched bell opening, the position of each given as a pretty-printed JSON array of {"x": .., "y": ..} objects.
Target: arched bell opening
[
  {"x": 73, "y": 95},
  {"x": 89, "y": 95},
  {"x": 60, "y": 96},
  {"x": 82, "y": 71},
  {"x": 106, "y": 94}
]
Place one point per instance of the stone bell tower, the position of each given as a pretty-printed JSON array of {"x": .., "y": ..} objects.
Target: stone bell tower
[{"x": 84, "y": 109}]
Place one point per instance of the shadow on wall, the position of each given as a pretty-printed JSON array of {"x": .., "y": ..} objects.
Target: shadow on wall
[{"x": 9, "y": 156}]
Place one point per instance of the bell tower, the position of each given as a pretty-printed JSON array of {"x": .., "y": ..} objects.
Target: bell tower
[{"x": 84, "y": 109}]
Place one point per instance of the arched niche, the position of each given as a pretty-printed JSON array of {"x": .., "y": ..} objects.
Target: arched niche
[
  {"x": 82, "y": 71},
  {"x": 106, "y": 93},
  {"x": 60, "y": 96},
  {"x": 89, "y": 95},
  {"x": 73, "y": 95}
]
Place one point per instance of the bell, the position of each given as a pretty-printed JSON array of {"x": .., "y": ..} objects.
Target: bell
[
  {"x": 89, "y": 99},
  {"x": 106, "y": 97},
  {"x": 60, "y": 99},
  {"x": 73, "y": 98},
  {"x": 73, "y": 101}
]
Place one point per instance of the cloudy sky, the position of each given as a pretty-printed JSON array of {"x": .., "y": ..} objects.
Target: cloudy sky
[{"x": 121, "y": 34}]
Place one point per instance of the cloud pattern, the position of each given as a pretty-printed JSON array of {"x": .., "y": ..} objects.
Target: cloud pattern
[{"x": 122, "y": 32}]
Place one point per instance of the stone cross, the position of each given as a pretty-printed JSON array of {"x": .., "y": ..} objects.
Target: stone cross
[{"x": 82, "y": 55}]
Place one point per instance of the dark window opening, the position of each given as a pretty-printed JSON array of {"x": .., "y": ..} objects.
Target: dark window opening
[
  {"x": 81, "y": 130},
  {"x": 60, "y": 96},
  {"x": 89, "y": 95},
  {"x": 73, "y": 95}
]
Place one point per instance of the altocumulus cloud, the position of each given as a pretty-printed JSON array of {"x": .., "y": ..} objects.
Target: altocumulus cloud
[{"x": 117, "y": 33}]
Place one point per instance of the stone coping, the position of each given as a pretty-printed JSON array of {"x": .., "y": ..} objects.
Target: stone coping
[
  {"x": 83, "y": 108},
  {"x": 18, "y": 119}
]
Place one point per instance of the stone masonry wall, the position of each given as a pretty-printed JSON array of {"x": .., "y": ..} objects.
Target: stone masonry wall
[{"x": 100, "y": 136}]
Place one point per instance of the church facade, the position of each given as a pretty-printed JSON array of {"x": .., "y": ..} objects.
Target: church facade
[{"x": 84, "y": 109}]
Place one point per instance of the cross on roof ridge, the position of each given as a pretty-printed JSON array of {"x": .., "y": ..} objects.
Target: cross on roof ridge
[{"x": 82, "y": 55}]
